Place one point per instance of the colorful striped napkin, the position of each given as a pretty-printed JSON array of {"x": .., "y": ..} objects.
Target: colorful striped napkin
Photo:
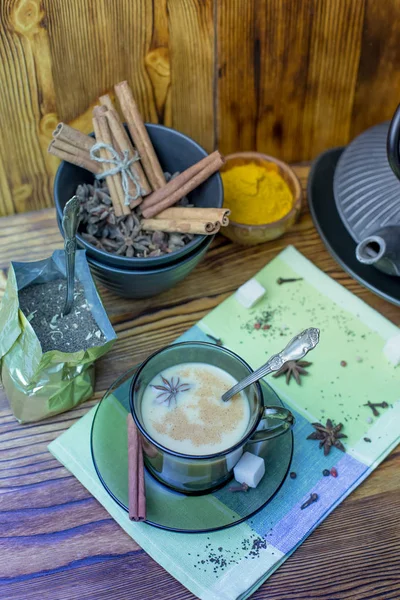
[{"x": 348, "y": 370}]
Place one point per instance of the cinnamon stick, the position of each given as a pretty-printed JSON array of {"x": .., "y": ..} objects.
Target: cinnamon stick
[
  {"x": 136, "y": 487},
  {"x": 73, "y": 136},
  {"x": 121, "y": 142},
  {"x": 187, "y": 187},
  {"x": 105, "y": 100},
  {"x": 140, "y": 136},
  {"x": 77, "y": 159},
  {"x": 175, "y": 184},
  {"x": 67, "y": 147},
  {"x": 196, "y": 214},
  {"x": 111, "y": 182},
  {"x": 181, "y": 226},
  {"x": 101, "y": 111},
  {"x": 106, "y": 137},
  {"x": 124, "y": 143}
]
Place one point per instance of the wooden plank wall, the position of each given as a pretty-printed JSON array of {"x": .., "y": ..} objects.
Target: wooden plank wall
[{"x": 286, "y": 77}]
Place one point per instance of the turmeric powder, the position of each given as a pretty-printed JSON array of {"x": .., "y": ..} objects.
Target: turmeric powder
[{"x": 256, "y": 194}]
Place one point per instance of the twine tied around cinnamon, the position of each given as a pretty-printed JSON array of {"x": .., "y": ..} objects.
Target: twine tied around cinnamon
[{"x": 121, "y": 165}]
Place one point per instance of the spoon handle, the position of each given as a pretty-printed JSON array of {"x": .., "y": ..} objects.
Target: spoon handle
[
  {"x": 295, "y": 350},
  {"x": 70, "y": 222}
]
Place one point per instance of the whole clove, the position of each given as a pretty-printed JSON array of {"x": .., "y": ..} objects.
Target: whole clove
[
  {"x": 242, "y": 487},
  {"x": 218, "y": 341},
  {"x": 313, "y": 498},
  {"x": 374, "y": 405},
  {"x": 281, "y": 280}
]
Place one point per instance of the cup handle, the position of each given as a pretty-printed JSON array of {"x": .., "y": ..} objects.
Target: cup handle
[{"x": 284, "y": 421}]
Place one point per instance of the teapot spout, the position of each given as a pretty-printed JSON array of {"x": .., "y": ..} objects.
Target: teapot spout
[{"x": 382, "y": 250}]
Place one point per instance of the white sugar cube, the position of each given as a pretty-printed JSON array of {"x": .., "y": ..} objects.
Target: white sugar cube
[
  {"x": 249, "y": 293},
  {"x": 392, "y": 349},
  {"x": 250, "y": 469}
]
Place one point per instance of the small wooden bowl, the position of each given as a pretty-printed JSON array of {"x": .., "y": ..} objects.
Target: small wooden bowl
[{"x": 251, "y": 235}]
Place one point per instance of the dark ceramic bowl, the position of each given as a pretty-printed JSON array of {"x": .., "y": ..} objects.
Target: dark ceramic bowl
[
  {"x": 140, "y": 283},
  {"x": 176, "y": 152}
]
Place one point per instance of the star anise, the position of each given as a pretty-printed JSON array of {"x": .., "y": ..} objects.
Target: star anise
[
  {"x": 96, "y": 213},
  {"x": 328, "y": 436},
  {"x": 293, "y": 368},
  {"x": 170, "y": 390},
  {"x": 121, "y": 235},
  {"x": 128, "y": 231}
]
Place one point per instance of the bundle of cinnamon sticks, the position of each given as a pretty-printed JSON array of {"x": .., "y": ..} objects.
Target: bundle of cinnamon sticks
[
  {"x": 74, "y": 147},
  {"x": 132, "y": 170}
]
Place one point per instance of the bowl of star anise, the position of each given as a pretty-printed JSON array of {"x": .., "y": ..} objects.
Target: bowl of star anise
[
  {"x": 144, "y": 283},
  {"x": 120, "y": 241},
  {"x": 124, "y": 258}
]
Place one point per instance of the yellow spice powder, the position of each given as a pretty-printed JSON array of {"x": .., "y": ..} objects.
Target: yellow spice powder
[{"x": 256, "y": 194}]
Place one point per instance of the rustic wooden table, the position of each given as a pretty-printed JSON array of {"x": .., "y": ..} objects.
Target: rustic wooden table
[{"x": 58, "y": 542}]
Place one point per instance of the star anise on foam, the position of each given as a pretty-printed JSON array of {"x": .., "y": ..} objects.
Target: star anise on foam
[
  {"x": 170, "y": 390},
  {"x": 328, "y": 436},
  {"x": 293, "y": 368}
]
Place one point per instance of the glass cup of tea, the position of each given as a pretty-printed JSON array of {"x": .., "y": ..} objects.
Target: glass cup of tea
[{"x": 191, "y": 439}]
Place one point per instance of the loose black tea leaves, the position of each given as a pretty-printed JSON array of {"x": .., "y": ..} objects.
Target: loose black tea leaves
[
  {"x": 42, "y": 304},
  {"x": 259, "y": 322},
  {"x": 218, "y": 559}
]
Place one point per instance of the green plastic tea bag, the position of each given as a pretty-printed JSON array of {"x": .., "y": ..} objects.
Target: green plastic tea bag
[{"x": 40, "y": 384}]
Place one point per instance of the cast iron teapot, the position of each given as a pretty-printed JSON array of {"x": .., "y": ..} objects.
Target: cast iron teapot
[{"x": 367, "y": 194}]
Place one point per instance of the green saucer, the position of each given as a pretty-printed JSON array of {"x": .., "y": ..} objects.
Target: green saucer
[{"x": 171, "y": 510}]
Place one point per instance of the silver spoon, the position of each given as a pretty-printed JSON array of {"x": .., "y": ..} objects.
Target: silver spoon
[
  {"x": 70, "y": 223},
  {"x": 295, "y": 350}
]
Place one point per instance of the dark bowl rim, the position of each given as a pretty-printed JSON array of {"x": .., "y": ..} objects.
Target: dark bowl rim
[
  {"x": 157, "y": 260},
  {"x": 158, "y": 269}
]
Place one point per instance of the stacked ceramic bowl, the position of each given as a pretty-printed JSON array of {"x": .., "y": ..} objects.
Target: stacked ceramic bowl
[{"x": 144, "y": 277}]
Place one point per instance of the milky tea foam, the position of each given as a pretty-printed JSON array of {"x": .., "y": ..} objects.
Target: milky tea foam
[{"x": 194, "y": 420}]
